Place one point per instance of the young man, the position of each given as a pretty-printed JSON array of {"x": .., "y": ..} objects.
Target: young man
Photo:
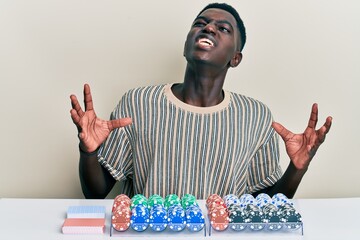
[{"x": 193, "y": 137}]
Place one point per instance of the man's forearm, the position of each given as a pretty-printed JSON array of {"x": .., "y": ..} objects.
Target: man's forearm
[
  {"x": 287, "y": 184},
  {"x": 96, "y": 182}
]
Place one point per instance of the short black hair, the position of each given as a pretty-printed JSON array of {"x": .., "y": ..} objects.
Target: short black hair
[{"x": 232, "y": 11}]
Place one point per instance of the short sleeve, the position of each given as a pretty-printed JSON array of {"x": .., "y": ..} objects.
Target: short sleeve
[
  {"x": 264, "y": 169},
  {"x": 115, "y": 154}
]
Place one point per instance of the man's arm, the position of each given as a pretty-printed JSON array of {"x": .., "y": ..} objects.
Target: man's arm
[
  {"x": 96, "y": 181},
  {"x": 301, "y": 149},
  {"x": 287, "y": 184}
]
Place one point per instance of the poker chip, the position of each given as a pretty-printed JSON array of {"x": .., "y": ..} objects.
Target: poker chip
[
  {"x": 290, "y": 216},
  {"x": 255, "y": 217},
  {"x": 280, "y": 199},
  {"x": 176, "y": 218},
  {"x": 237, "y": 218},
  {"x": 156, "y": 213},
  {"x": 195, "y": 220},
  {"x": 170, "y": 200},
  {"x": 187, "y": 200},
  {"x": 155, "y": 200},
  {"x": 218, "y": 212},
  {"x": 273, "y": 217},
  {"x": 246, "y": 199},
  {"x": 214, "y": 201},
  {"x": 121, "y": 201},
  {"x": 138, "y": 199},
  {"x": 120, "y": 219},
  {"x": 122, "y": 197},
  {"x": 262, "y": 199},
  {"x": 139, "y": 220},
  {"x": 219, "y": 218},
  {"x": 237, "y": 213},
  {"x": 231, "y": 199},
  {"x": 158, "y": 218}
]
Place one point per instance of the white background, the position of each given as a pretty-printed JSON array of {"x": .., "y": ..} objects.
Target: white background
[{"x": 297, "y": 53}]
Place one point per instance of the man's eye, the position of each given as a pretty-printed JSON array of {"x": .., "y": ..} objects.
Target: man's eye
[
  {"x": 198, "y": 24},
  {"x": 224, "y": 29}
]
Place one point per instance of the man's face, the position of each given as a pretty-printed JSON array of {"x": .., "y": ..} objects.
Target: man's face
[{"x": 213, "y": 38}]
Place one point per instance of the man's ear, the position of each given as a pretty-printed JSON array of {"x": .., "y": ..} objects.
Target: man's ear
[{"x": 235, "y": 61}]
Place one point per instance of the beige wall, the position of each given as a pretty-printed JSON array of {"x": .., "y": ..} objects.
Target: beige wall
[{"x": 298, "y": 52}]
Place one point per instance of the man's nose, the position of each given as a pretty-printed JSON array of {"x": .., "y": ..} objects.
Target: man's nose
[{"x": 210, "y": 28}]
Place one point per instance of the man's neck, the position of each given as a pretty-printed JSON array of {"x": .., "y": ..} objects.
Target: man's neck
[{"x": 201, "y": 88}]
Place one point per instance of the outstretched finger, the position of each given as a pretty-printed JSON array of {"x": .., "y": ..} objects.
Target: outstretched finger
[
  {"x": 328, "y": 124},
  {"x": 282, "y": 131},
  {"x": 313, "y": 116},
  {"x": 76, "y": 119},
  {"x": 74, "y": 116},
  {"x": 76, "y": 106},
  {"x": 121, "y": 122},
  {"x": 88, "y": 98},
  {"x": 325, "y": 128}
]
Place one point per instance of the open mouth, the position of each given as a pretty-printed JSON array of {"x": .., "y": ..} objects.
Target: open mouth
[{"x": 205, "y": 42}]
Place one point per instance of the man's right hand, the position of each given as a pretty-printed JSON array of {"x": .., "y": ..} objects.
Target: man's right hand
[{"x": 92, "y": 131}]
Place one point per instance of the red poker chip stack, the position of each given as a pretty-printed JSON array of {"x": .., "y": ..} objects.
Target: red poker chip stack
[
  {"x": 218, "y": 212},
  {"x": 121, "y": 213},
  {"x": 119, "y": 200}
]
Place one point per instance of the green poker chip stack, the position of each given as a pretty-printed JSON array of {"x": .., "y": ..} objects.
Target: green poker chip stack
[
  {"x": 138, "y": 199},
  {"x": 188, "y": 200},
  {"x": 155, "y": 200},
  {"x": 170, "y": 200}
]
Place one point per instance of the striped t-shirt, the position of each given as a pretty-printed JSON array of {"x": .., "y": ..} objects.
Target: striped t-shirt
[{"x": 176, "y": 148}]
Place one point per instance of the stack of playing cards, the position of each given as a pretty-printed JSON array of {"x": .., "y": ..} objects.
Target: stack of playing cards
[{"x": 84, "y": 220}]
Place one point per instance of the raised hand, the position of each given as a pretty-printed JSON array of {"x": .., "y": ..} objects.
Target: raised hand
[
  {"x": 301, "y": 148},
  {"x": 92, "y": 131}
]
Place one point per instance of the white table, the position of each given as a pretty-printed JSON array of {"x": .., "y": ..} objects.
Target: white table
[{"x": 43, "y": 218}]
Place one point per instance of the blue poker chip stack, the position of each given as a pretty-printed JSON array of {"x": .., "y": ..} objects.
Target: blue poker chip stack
[
  {"x": 246, "y": 199},
  {"x": 139, "y": 220},
  {"x": 273, "y": 217},
  {"x": 255, "y": 217},
  {"x": 290, "y": 216},
  {"x": 280, "y": 199},
  {"x": 288, "y": 213},
  {"x": 231, "y": 199},
  {"x": 263, "y": 199},
  {"x": 158, "y": 218},
  {"x": 237, "y": 217},
  {"x": 195, "y": 220},
  {"x": 271, "y": 213},
  {"x": 176, "y": 218}
]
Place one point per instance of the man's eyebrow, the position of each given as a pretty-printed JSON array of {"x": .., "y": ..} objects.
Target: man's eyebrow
[{"x": 217, "y": 21}]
